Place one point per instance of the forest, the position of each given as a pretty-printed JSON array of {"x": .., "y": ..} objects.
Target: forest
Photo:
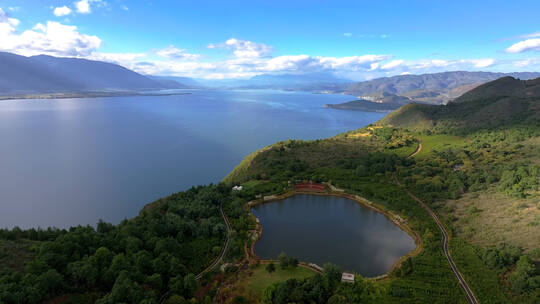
[{"x": 138, "y": 261}]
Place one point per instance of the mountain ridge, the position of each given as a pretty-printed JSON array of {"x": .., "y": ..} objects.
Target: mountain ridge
[
  {"x": 436, "y": 88},
  {"x": 500, "y": 103},
  {"x": 48, "y": 74}
]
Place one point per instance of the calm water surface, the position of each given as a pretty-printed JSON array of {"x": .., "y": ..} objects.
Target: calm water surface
[
  {"x": 326, "y": 229},
  {"x": 74, "y": 161}
]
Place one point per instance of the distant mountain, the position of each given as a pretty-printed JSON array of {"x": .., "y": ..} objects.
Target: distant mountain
[
  {"x": 435, "y": 88},
  {"x": 47, "y": 74},
  {"x": 309, "y": 82},
  {"x": 185, "y": 82},
  {"x": 503, "y": 102}
]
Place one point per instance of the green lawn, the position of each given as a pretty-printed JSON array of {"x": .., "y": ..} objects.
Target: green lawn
[
  {"x": 406, "y": 150},
  {"x": 260, "y": 279},
  {"x": 439, "y": 142}
]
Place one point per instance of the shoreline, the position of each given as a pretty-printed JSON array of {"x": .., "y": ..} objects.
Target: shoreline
[
  {"x": 392, "y": 217},
  {"x": 87, "y": 95}
]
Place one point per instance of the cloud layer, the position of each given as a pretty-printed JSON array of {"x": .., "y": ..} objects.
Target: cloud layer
[
  {"x": 52, "y": 38},
  {"x": 524, "y": 46},
  {"x": 242, "y": 58}
]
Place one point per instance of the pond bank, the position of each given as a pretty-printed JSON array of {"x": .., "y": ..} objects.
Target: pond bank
[{"x": 330, "y": 190}]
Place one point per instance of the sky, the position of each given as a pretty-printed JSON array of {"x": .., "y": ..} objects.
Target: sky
[{"x": 239, "y": 39}]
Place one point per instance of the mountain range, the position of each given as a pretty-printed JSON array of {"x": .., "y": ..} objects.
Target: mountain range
[
  {"x": 47, "y": 74},
  {"x": 437, "y": 88}
]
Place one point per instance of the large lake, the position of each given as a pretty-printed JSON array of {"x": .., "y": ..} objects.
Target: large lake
[
  {"x": 328, "y": 229},
  {"x": 74, "y": 161}
]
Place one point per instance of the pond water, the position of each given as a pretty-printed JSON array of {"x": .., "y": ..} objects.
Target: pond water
[
  {"x": 66, "y": 162},
  {"x": 329, "y": 229}
]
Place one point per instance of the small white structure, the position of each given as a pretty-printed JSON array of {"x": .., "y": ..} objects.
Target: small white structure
[
  {"x": 347, "y": 277},
  {"x": 237, "y": 188}
]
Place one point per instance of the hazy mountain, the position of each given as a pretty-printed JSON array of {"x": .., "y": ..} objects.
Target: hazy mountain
[
  {"x": 46, "y": 74},
  {"x": 430, "y": 88},
  {"x": 307, "y": 82},
  {"x": 502, "y": 102},
  {"x": 185, "y": 82}
]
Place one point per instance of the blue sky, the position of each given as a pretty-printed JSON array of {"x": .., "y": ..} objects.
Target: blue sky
[{"x": 224, "y": 39}]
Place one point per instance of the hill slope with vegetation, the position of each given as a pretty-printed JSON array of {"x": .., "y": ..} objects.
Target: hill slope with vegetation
[
  {"x": 476, "y": 148},
  {"x": 471, "y": 151},
  {"x": 506, "y": 103}
]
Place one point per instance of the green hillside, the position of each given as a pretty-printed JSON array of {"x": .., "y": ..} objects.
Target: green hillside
[
  {"x": 473, "y": 163},
  {"x": 479, "y": 169},
  {"x": 503, "y": 103}
]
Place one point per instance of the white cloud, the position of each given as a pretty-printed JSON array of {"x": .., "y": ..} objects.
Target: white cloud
[
  {"x": 62, "y": 11},
  {"x": 524, "y": 46},
  {"x": 483, "y": 63},
  {"x": 125, "y": 8},
  {"x": 531, "y": 35},
  {"x": 124, "y": 59},
  {"x": 171, "y": 52},
  {"x": 244, "y": 48},
  {"x": 52, "y": 38},
  {"x": 392, "y": 64},
  {"x": 249, "y": 58},
  {"x": 529, "y": 62},
  {"x": 7, "y": 24},
  {"x": 83, "y": 6},
  {"x": 347, "y": 34}
]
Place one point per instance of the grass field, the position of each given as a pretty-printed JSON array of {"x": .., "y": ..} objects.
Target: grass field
[
  {"x": 260, "y": 278},
  {"x": 489, "y": 218},
  {"x": 439, "y": 142},
  {"x": 15, "y": 254}
]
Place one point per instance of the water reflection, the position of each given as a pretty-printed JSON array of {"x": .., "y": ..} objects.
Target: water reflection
[{"x": 322, "y": 229}]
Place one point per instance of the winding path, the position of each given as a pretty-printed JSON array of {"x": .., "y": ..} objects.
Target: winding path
[
  {"x": 223, "y": 249},
  {"x": 471, "y": 298},
  {"x": 217, "y": 260},
  {"x": 418, "y": 149}
]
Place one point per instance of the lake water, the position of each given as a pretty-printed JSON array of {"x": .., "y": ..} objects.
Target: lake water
[
  {"x": 327, "y": 229},
  {"x": 74, "y": 161}
]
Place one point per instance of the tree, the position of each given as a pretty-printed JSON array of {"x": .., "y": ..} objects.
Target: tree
[
  {"x": 283, "y": 260},
  {"x": 50, "y": 282},
  {"x": 176, "y": 299},
  {"x": 125, "y": 290},
  {"x": 270, "y": 267},
  {"x": 293, "y": 262},
  {"x": 190, "y": 285},
  {"x": 240, "y": 300},
  {"x": 176, "y": 284},
  {"x": 521, "y": 277},
  {"x": 332, "y": 273}
]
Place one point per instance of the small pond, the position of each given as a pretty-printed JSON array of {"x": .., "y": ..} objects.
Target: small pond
[{"x": 328, "y": 229}]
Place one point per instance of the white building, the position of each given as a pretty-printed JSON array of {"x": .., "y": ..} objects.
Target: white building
[
  {"x": 237, "y": 188},
  {"x": 347, "y": 277}
]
